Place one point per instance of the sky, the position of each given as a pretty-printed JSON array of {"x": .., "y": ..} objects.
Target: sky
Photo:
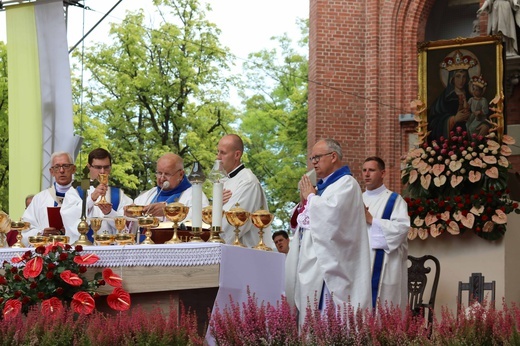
[{"x": 246, "y": 25}]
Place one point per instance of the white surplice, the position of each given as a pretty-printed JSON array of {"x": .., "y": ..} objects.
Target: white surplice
[
  {"x": 71, "y": 211},
  {"x": 391, "y": 236},
  {"x": 248, "y": 193},
  {"x": 334, "y": 250}
]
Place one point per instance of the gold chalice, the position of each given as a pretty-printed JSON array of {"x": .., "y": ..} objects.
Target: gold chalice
[
  {"x": 19, "y": 226},
  {"x": 147, "y": 222},
  {"x": 207, "y": 217},
  {"x": 5, "y": 226},
  {"x": 38, "y": 240},
  {"x": 237, "y": 217},
  {"x": 175, "y": 212},
  {"x": 120, "y": 223},
  {"x": 261, "y": 219},
  {"x": 103, "y": 179}
]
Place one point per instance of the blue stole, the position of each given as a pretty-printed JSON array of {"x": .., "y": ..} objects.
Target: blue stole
[
  {"x": 115, "y": 198},
  {"x": 332, "y": 179},
  {"x": 380, "y": 253},
  {"x": 171, "y": 195},
  {"x": 321, "y": 187}
]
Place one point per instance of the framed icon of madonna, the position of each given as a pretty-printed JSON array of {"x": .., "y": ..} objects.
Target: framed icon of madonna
[{"x": 461, "y": 88}]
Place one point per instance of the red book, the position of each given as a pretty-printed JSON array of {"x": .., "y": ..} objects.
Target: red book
[{"x": 55, "y": 221}]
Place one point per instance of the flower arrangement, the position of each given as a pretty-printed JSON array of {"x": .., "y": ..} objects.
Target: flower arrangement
[
  {"x": 457, "y": 184},
  {"x": 51, "y": 275}
]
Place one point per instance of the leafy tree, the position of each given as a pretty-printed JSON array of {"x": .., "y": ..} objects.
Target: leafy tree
[
  {"x": 154, "y": 90},
  {"x": 275, "y": 120},
  {"x": 4, "y": 132}
]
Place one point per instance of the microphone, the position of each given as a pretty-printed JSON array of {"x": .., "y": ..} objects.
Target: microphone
[{"x": 165, "y": 185}]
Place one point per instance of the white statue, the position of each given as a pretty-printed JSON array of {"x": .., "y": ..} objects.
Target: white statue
[{"x": 503, "y": 17}]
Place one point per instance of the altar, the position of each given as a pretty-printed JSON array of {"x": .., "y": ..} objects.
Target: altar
[{"x": 202, "y": 274}]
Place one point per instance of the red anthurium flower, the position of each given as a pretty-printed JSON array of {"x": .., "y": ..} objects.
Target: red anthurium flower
[
  {"x": 52, "y": 307},
  {"x": 71, "y": 278},
  {"x": 17, "y": 259},
  {"x": 119, "y": 299},
  {"x": 83, "y": 303},
  {"x": 33, "y": 268},
  {"x": 112, "y": 279},
  {"x": 86, "y": 259},
  {"x": 12, "y": 309}
]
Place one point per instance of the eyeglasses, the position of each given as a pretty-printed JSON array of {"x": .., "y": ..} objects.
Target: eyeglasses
[
  {"x": 316, "y": 158},
  {"x": 66, "y": 167},
  {"x": 166, "y": 175},
  {"x": 106, "y": 168}
]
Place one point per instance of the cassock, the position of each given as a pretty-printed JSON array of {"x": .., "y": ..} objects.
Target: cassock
[
  {"x": 333, "y": 250},
  {"x": 71, "y": 211},
  {"x": 36, "y": 212},
  {"x": 248, "y": 193},
  {"x": 391, "y": 236}
]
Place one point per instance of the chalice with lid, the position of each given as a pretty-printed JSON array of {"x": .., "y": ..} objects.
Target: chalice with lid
[{"x": 237, "y": 217}]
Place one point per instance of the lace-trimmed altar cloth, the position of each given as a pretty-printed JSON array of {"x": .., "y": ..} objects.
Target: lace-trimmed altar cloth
[{"x": 180, "y": 255}]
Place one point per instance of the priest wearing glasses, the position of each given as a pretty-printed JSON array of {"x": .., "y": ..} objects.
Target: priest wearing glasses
[
  {"x": 62, "y": 169},
  {"x": 172, "y": 186}
]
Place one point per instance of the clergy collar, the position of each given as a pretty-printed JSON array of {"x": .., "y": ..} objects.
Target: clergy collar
[
  {"x": 62, "y": 188},
  {"x": 376, "y": 191},
  {"x": 236, "y": 170}
]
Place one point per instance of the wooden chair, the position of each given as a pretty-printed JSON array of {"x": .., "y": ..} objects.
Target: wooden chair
[
  {"x": 421, "y": 277},
  {"x": 476, "y": 288}
]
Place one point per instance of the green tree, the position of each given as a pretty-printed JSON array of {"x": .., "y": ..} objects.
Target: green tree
[
  {"x": 4, "y": 132},
  {"x": 153, "y": 90},
  {"x": 274, "y": 123}
]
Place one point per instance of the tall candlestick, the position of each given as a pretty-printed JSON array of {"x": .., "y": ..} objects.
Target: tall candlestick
[
  {"x": 196, "y": 208},
  {"x": 216, "y": 217}
]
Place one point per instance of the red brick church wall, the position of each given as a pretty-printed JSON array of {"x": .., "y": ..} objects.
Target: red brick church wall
[{"x": 363, "y": 75}]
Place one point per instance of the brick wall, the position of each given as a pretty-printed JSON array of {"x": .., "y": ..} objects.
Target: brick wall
[{"x": 363, "y": 75}]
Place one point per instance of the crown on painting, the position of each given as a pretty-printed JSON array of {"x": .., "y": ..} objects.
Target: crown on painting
[
  {"x": 479, "y": 81},
  {"x": 458, "y": 62}
]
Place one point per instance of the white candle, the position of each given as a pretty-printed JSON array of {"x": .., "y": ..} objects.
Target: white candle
[
  {"x": 196, "y": 213},
  {"x": 216, "y": 217}
]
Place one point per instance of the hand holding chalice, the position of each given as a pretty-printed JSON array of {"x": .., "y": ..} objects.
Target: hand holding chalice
[{"x": 102, "y": 178}]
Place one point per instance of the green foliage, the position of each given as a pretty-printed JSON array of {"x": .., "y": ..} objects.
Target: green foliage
[
  {"x": 156, "y": 90},
  {"x": 4, "y": 132},
  {"x": 274, "y": 123}
]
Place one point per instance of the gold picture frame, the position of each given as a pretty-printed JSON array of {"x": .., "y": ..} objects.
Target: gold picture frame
[{"x": 445, "y": 101}]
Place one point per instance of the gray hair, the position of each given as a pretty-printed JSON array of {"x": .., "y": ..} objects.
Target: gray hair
[
  {"x": 60, "y": 153},
  {"x": 334, "y": 146}
]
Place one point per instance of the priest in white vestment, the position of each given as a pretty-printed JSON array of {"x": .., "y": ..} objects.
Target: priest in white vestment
[
  {"x": 389, "y": 234},
  {"x": 241, "y": 187},
  {"x": 329, "y": 255},
  {"x": 62, "y": 169},
  {"x": 99, "y": 161},
  {"x": 172, "y": 186}
]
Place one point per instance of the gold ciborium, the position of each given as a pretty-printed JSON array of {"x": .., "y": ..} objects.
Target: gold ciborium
[
  {"x": 135, "y": 210},
  {"x": 124, "y": 238},
  {"x": 104, "y": 239},
  {"x": 38, "y": 240},
  {"x": 214, "y": 234},
  {"x": 147, "y": 222},
  {"x": 120, "y": 223},
  {"x": 261, "y": 219},
  {"x": 5, "y": 226},
  {"x": 103, "y": 179},
  {"x": 237, "y": 217},
  {"x": 58, "y": 238},
  {"x": 19, "y": 226},
  {"x": 175, "y": 212}
]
